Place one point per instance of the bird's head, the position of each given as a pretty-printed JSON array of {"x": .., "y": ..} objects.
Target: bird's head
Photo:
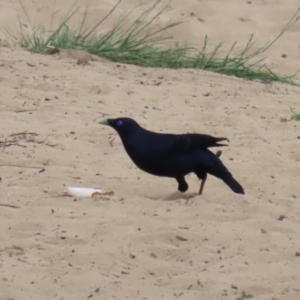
[{"x": 124, "y": 126}]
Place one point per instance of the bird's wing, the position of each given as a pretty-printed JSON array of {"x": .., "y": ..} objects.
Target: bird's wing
[{"x": 191, "y": 142}]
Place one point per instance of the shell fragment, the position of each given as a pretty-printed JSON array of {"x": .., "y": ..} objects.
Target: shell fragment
[{"x": 86, "y": 192}]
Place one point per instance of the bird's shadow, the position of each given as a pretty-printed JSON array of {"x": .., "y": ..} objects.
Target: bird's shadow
[{"x": 174, "y": 196}]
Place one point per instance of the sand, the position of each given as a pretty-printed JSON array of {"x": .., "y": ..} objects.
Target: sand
[{"x": 131, "y": 245}]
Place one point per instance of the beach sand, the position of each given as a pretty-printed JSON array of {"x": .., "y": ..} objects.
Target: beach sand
[{"x": 131, "y": 245}]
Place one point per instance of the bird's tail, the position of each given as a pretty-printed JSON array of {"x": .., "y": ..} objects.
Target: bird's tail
[{"x": 233, "y": 184}]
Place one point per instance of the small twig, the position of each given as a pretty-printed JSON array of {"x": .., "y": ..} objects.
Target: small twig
[
  {"x": 41, "y": 142},
  {"x": 179, "y": 295},
  {"x": 52, "y": 146},
  {"x": 8, "y": 205},
  {"x": 101, "y": 113},
  {"x": 17, "y": 144},
  {"x": 111, "y": 142},
  {"x": 7, "y": 143},
  {"x": 4, "y": 144},
  {"x": 11, "y": 143},
  {"x": 24, "y": 133},
  {"x": 18, "y": 166},
  {"x": 30, "y": 65},
  {"x": 24, "y": 110}
]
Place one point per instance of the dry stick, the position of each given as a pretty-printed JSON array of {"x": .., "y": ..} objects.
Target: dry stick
[
  {"x": 8, "y": 205},
  {"x": 101, "y": 113},
  {"x": 17, "y": 144},
  {"x": 52, "y": 146},
  {"x": 14, "y": 143},
  {"x": 24, "y": 133},
  {"x": 111, "y": 142},
  {"x": 4, "y": 144},
  {"x": 18, "y": 166},
  {"x": 11, "y": 143},
  {"x": 41, "y": 142},
  {"x": 24, "y": 110}
]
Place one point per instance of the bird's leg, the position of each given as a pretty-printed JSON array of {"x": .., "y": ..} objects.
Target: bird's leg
[
  {"x": 202, "y": 184},
  {"x": 204, "y": 176},
  {"x": 182, "y": 185}
]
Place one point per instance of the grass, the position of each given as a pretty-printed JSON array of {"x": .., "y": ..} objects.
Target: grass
[
  {"x": 295, "y": 116},
  {"x": 138, "y": 42},
  {"x": 244, "y": 295}
]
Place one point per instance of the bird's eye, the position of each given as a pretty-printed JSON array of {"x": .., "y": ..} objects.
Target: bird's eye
[{"x": 119, "y": 123}]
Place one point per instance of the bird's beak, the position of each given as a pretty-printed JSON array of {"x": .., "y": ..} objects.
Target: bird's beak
[{"x": 102, "y": 121}]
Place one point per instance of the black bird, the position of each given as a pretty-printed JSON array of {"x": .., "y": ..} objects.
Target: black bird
[{"x": 172, "y": 155}]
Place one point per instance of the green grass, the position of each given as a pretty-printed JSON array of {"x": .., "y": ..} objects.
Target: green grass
[
  {"x": 244, "y": 295},
  {"x": 137, "y": 42},
  {"x": 294, "y": 116}
]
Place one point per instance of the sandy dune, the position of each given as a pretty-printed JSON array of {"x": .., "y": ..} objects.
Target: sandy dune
[{"x": 131, "y": 245}]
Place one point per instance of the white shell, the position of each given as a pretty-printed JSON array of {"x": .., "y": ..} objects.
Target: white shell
[{"x": 83, "y": 192}]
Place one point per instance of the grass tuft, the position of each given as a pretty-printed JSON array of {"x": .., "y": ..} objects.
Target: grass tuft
[
  {"x": 137, "y": 42},
  {"x": 294, "y": 116}
]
